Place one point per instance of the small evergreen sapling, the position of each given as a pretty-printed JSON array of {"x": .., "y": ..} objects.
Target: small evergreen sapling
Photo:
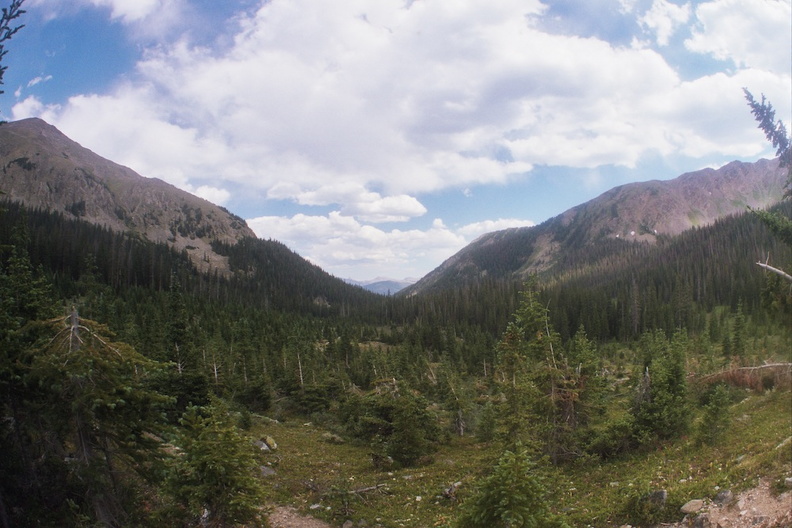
[{"x": 511, "y": 497}]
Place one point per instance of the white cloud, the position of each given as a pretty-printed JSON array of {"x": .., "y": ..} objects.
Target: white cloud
[
  {"x": 213, "y": 194},
  {"x": 405, "y": 100},
  {"x": 30, "y": 106},
  {"x": 133, "y": 10},
  {"x": 345, "y": 247},
  {"x": 664, "y": 18},
  {"x": 752, "y": 34},
  {"x": 40, "y": 79},
  {"x": 476, "y": 229},
  {"x": 147, "y": 18}
]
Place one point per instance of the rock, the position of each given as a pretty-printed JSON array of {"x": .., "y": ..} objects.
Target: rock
[
  {"x": 692, "y": 506},
  {"x": 657, "y": 498},
  {"x": 723, "y": 497},
  {"x": 450, "y": 491},
  {"x": 702, "y": 521},
  {"x": 267, "y": 471},
  {"x": 331, "y": 438},
  {"x": 348, "y": 524},
  {"x": 271, "y": 443},
  {"x": 788, "y": 482},
  {"x": 261, "y": 445}
]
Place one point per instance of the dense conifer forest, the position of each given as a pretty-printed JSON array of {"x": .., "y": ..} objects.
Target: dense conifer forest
[{"x": 118, "y": 354}]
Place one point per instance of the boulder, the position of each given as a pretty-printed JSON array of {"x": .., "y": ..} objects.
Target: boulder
[{"x": 692, "y": 506}]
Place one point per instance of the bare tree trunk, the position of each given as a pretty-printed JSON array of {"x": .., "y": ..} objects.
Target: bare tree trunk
[{"x": 777, "y": 271}]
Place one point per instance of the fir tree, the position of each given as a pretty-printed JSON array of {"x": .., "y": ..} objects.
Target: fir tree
[
  {"x": 512, "y": 496},
  {"x": 213, "y": 477}
]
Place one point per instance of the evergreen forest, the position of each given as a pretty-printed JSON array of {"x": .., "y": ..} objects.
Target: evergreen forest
[{"x": 134, "y": 388}]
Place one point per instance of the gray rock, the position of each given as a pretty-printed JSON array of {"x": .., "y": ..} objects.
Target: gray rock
[
  {"x": 702, "y": 521},
  {"x": 266, "y": 471},
  {"x": 657, "y": 498},
  {"x": 788, "y": 482},
  {"x": 723, "y": 497},
  {"x": 348, "y": 524},
  {"x": 692, "y": 506}
]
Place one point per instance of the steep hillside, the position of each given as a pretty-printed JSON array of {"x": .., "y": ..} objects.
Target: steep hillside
[
  {"x": 43, "y": 168},
  {"x": 636, "y": 212}
]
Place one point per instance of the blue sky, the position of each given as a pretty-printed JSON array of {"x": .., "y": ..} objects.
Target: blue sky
[{"x": 378, "y": 137}]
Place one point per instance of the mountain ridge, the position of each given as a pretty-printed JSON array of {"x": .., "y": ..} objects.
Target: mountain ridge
[
  {"x": 42, "y": 167},
  {"x": 637, "y": 212}
]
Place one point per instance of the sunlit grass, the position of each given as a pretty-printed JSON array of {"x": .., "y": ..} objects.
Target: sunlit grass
[{"x": 324, "y": 479}]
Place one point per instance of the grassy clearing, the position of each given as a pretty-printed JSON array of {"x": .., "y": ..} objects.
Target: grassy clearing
[{"x": 325, "y": 479}]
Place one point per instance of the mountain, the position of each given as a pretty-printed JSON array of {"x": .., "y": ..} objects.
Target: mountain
[
  {"x": 42, "y": 168},
  {"x": 636, "y": 212},
  {"x": 383, "y": 286}
]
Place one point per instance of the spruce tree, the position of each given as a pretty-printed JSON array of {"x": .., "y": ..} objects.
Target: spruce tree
[
  {"x": 512, "y": 496},
  {"x": 213, "y": 477}
]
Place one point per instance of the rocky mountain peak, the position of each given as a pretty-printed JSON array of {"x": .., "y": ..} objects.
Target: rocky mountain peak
[{"x": 41, "y": 167}]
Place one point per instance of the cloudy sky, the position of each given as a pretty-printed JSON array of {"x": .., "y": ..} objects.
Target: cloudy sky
[{"x": 378, "y": 137}]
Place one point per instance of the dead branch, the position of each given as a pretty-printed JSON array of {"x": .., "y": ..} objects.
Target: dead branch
[{"x": 777, "y": 271}]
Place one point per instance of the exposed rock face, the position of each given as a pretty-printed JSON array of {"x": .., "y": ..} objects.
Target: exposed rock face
[
  {"x": 633, "y": 212},
  {"x": 41, "y": 167}
]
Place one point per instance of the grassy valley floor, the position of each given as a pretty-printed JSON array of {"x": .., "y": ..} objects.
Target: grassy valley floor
[{"x": 337, "y": 482}]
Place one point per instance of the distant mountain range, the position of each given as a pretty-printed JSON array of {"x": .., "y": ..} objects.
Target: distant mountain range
[
  {"x": 383, "y": 286},
  {"x": 636, "y": 212},
  {"x": 42, "y": 168}
]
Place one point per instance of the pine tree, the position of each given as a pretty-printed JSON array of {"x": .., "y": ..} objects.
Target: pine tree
[
  {"x": 10, "y": 14},
  {"x": 87, "y": 395},
  {"x": 212, "y": 479},
  {"x": 512, "y": 496}
]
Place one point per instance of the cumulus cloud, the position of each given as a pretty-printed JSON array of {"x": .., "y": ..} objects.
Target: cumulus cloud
[
  {"x": 755, "y": 34},
  {"x": 404, "y": 99},
  {"x": 342, "y": 244},
  {"x": 213, "y": 194},
  {"x": 664, "y": 18}
]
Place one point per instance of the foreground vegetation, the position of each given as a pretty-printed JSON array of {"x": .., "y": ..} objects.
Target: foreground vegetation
[
  {"x": 320, "y": 477},
  {"x": 149, "y": 417}
]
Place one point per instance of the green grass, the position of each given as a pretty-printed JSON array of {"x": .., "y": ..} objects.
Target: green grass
[{"x": 313, "y": 472}]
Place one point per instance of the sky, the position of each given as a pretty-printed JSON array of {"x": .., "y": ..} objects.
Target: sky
[{"x": 376, "y": 138}]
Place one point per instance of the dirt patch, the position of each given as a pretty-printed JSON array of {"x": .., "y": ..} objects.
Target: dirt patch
[
  {"x": 753, "y": 508},
  {"x": 284, "y": 517}
]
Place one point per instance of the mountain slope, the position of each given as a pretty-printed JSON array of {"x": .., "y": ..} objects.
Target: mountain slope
[
  {"x": 41, "y": 167},
  {"x": 634, "y": 212}
]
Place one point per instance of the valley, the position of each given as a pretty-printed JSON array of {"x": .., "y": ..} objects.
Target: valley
[{"x": 163, "y": 367}]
